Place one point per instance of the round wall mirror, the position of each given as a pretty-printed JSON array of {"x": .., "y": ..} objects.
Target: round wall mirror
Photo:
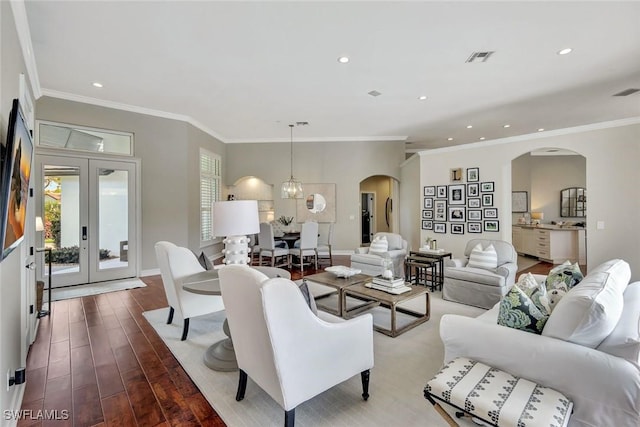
[{"x": 316, "y": 203}]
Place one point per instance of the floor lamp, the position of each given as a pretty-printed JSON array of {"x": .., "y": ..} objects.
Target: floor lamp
[{"x": 42, "y": 313}]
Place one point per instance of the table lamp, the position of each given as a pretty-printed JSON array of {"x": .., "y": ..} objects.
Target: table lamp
[
  {"x": 234, "y": 220},
  {"x": 536, "y": 217}
]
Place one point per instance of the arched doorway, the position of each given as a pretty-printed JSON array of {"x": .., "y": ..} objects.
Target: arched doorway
[
  {"x": 538, "y": 181},
  {"x": 378, "y": 212}
]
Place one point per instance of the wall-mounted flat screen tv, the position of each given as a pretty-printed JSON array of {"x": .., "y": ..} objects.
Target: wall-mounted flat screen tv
[{"x": 14, "y": 183}]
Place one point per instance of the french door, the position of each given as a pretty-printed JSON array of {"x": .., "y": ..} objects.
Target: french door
[{"x": 88, "y": 208}]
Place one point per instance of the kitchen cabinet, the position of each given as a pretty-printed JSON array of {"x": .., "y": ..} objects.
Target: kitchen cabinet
[{"x": 551, "y": 244}]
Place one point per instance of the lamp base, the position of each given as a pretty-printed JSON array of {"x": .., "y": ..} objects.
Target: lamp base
[{"x": 236, "y": 250}]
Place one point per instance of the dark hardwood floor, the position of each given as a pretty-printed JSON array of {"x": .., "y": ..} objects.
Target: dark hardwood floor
[{"x": 98, "y": 360}]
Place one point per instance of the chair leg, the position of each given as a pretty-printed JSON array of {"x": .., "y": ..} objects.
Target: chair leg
[
  {"x": 365, "y": 384},
  {"x": 290, "y": 418},
  {"x": 170, "y": 318},
  {"x": 242, "y": 385},
  {"x": 185, "y": 329}
]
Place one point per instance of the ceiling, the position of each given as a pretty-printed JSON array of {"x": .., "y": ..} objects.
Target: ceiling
[{"x": 243, "y": 71}]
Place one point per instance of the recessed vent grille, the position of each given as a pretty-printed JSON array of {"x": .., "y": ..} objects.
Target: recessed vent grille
[
  {"x": 627, "y": 92},
  {"x": 374, "y": 93},
  {"x": 480, "y": 56},
  {"x": 302, "y": 123}
]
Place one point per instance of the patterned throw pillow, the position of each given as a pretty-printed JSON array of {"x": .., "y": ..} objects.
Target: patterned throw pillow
[
  {"x": 379, "y": 245},
  {"x": 518, "y": 311},
  {"x": 564, "y": 276},
  {"x": 487, "y": 258}
]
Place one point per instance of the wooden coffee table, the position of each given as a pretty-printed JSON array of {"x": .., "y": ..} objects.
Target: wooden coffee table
[
  {"x": 375, "y": 298},
  {"x": 339, "y": 284}
]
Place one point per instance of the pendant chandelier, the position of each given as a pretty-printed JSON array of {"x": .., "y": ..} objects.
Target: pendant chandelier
[{"x": 292, "y": 189}]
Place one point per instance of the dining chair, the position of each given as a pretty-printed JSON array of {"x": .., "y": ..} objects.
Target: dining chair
[
  {"x": 307, "y": 247},
  {"x": 324, "y": 245},
  {"x": 268, "y": 249}
]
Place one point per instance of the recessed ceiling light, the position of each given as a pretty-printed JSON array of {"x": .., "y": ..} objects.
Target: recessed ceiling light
[
  {"x": 96, "y": 84},
  {"x": 343, "y": 59},
  {"x": 506, "y": 126},
  {"x": 449, "y": 139},
  {"x": 482, "y": 138},
  {"x": 469, "y": 126},
  {"x": 565, "y": 51},
  {"x": 541, "y": 130},
  {"x": 422, "y": 98}
]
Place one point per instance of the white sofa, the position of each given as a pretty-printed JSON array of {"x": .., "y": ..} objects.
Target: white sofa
[
  {"x": 371, "y": 264},
  {"x": 577, "y": 355}
]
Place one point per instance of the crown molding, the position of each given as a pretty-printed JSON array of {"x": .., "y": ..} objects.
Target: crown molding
[
  {"x": 24, "y": 37},
  {"x": 131, "y": 108},
  {"x": 532, "y": 136}
]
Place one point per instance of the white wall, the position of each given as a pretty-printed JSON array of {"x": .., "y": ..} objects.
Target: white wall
[
  {"x": 612, "y": 175},
  {"x": 15, "y": 297}
]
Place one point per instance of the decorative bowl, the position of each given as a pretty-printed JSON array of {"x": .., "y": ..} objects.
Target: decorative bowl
[{"x": 342, "y": 271}]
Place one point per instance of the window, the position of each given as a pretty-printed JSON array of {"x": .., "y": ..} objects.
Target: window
[{"x": 210, "y": 185}]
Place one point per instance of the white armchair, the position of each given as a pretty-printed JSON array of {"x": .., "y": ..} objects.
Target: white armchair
[
  {"x": 176, "y": 262},
  {"x": 479, "y": 286},
  {"x": 285, "y": 348},
  {"x": 371, "y": 264}
]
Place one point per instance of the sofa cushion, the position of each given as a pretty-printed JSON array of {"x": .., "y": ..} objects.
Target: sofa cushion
[
  {"x": 518, "y": 311},
  {"x": 486, "y": 258},
  {"x": 589, "y": 312},
  {"x": 475, "y": 275},
  {"x": 379, "y": 245},
  {"x": 564, "y": 276},
  {"x": 367, "y": 259},
  {"x": 624, "y": 341}
]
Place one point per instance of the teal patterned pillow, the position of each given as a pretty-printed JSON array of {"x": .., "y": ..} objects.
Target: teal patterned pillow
[
  {"x": 564, "y": 276},
  {"x": 518, "y": 311}
]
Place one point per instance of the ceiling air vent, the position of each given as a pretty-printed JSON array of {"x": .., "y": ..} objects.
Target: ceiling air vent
[
  {"x": 302, "y": 123},
  {"x": 480, "y": 56},
  {"x": 627, "y": 92},
  {"x": 374, "y": 93}
]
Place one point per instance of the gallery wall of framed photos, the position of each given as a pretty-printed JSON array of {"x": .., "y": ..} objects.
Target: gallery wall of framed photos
[{"x": 464, "y": 205}]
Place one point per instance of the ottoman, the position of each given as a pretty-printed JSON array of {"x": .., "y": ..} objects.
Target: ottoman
[{"x": 495, "y": 397}]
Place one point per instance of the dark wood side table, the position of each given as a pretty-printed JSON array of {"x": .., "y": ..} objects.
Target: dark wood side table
[{"x": 439, "y": 258}]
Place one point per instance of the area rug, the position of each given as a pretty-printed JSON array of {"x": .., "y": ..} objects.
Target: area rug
[
  {"x": 402, "y": 367},
  {"x": 78, "y": 291},
  {"x": 526, "y": 262}
]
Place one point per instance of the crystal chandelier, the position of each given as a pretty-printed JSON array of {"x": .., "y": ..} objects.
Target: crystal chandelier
[{"x": 292, "y": 189}]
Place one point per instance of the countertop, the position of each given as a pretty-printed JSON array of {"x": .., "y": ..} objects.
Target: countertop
[{"x": 549, "y": 227}]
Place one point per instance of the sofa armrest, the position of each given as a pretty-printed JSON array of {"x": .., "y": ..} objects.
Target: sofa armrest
[
  {"x": 508, "y": 269},
  {"x": 456, "y": 262},
  {"x": 605, "y": 389},
  {"x": 362, "y": 250},
  {"x": 397, "y": 253}
]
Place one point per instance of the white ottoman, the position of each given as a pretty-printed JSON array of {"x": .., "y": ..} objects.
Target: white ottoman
[{"x": 496, "y": 397}]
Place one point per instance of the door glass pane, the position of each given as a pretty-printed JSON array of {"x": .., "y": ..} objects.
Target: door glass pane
[
  {"x": 113, "y": 218},
  {"x": 85, "y": 139},
  {"x": 62, "y": 217}
]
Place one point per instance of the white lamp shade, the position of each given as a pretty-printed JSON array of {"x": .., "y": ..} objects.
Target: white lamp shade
[
  {"x": 235, "y": 218},
  {"x": 537, "y": 215},
  {"x": 39, "y": 224}
]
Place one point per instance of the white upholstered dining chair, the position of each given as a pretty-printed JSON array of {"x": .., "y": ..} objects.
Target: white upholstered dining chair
[
  {"x": 306, "y": 246},
  {"x": 286, "y": 349}
]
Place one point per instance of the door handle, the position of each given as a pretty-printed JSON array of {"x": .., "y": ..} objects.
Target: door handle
[{"x": 84, "y": 232}]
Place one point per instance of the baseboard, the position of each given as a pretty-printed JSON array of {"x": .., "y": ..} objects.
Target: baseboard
[{"x": 151, "y": 272}]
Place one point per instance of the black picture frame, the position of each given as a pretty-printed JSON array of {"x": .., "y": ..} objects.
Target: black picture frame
[
  {"x": 473, "y": 190},
  {"x": 428, "y": 203},
  {"x": 429, "y": 191},
  {"x": 474, "y": 214},
  {"x": 457, "y": 194},
  {"x": 457, "y": 214},
  {"x": 440, "y": 227},
  {"x": 474, "y": 202},
  {"x": 473, "y": 174},
  {"x": 490, "y": 213},
  {"x": 427, "y": 224},
  {"x": 440, "y": 210},
  {"x": 519, "y": 201},
  {"x": 474, "y": 227},
  {"x": 427, "y": 214},
  {"x": 457, "y": 228},
  {"x": 491, "y": 225},
  {"x": 487, "y": 187},
  {"x": 487, "y": 200},
  {"x": 441, "y": 192}
]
